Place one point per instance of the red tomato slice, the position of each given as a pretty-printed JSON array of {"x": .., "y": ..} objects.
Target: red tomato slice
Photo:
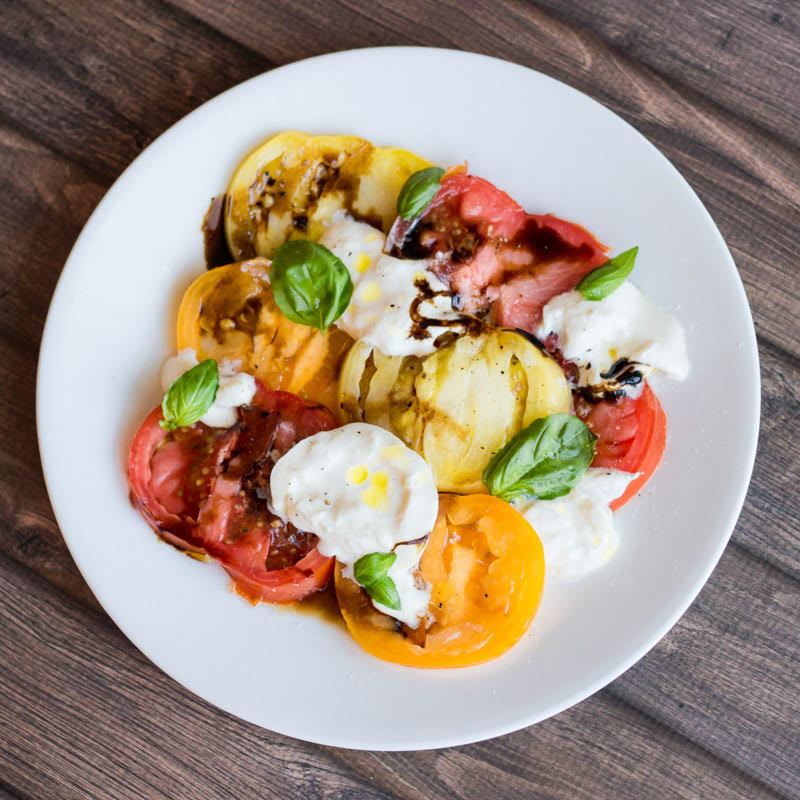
[
  {"x": 269, "y": 560},
  {"x": 170, "y": 474},
  {"x": 631, "y": 436},
  {"x": 494, "y": 254},
  {"x": 492, "y": 213}
]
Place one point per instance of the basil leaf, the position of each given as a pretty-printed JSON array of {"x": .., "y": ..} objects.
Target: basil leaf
[
  {"x": 310, "y": 284},
  {"x": 544, "y": 460},
  {"x": 604, "y": 280},
  {"x": 373, "y": 567},
  {"x": 370, "y": 571},
  {"x": 418, "y": 191},
  {"x": 190, "y": 396},
  {"x": 384, "y": 592}
]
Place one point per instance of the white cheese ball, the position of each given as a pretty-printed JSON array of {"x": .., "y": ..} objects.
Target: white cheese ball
[
  {"x": 626, "y": 324},
  {"x": 384, "y": 289},
  {"x": 577, "y": 530},
  {"x": 358, "y": 488},
  {"x": 356, "y": 244}
]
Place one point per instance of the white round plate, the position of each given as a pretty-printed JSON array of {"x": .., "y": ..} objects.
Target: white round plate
[{"x": 111, "y": 325}]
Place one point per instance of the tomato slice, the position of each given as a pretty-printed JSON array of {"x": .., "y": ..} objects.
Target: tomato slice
[
  {"x": 269, "y": 560},
  {"x": 485, "y": 564},
  {"x": 632, "y": 436},
  {"x": 229, "y": 312},
  {"x": 494, "y": 254},
  {"x": 170, "y": 475}
]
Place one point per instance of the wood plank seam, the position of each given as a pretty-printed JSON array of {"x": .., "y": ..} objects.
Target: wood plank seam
[
  {"x": 697, "y": 747},
  {"x": 7, "y": 793},
  {"x": 734, "y": 166},
  {"x": 685, "y": 88},
  {"x": 720, "y": 759},
  {"x": 728, "y": 128},
  {"x": 182, "y": 14}
]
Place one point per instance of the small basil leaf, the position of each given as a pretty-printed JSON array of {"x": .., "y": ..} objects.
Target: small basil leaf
[
  {"x": 373, "y": 567},
  {"x": 544, "y": 460},
  {"x": 190, "y": 396},
  {"x": 418, "y": 191},
  {"x": 604, "y": 280},
  {"x": 310, "y": 284},
  {"x": 384, "y": 591},
  {"x": 370, "y": 571}
]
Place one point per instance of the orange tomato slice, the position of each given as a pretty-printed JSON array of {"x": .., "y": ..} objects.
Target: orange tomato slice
[
  {"x": 229, "y": 312},
  {"x": 485, "y": 565}
]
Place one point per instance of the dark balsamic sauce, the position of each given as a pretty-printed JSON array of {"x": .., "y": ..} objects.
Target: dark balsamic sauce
[
  {"x": 420, "y": 324},
  {"x": 534, "y": 340},
  {"x": 623, "y": 372},
  {"x": 620, "y": 376},
  {"x": 215, "y": 244}
]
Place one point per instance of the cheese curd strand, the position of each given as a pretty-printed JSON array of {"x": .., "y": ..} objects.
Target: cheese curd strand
[
  {"x": 235, "y": 388},
  {"x": 361, "y": 491},
  {"x": 595, "y": 335},
  {"x": 577, "y": 530},
  {"x": 390, "y": 295}
]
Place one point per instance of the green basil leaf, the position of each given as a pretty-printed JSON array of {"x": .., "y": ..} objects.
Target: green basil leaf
[
  {"x": 373, "y": 567},
  {"x": 544, "y": 460},
  {"x": 384, "y": 592},
  {"x": 604, "y": 280},
  {"x": 370, "y": 571},
  {"x": 190, "y": 396},
  {"x": 310, "y": 284},
  {"x": 418, "y": 191}
]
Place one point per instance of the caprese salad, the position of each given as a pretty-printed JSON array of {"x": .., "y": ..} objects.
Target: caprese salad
[{"x": 395, "y": 380}]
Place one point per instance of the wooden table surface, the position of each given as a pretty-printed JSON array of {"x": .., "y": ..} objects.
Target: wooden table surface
[{"x": 713, "y": 710}]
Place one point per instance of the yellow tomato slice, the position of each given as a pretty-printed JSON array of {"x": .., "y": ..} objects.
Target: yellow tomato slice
[
  {"x": 458, "y": 406},
  {"x": 485, "y": 564},
  {"x": 229, "y": 312},
  {"x": 291, "y": 185}
]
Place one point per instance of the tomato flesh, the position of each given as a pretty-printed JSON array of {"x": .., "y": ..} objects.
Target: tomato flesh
[
  {"x": 631, "y": 436},
  {"x": 493, "y": 254},
  {"x": 170, "y": 474},
  {"x": 205, "y": 490},
  {"x": 229, "y": 312},
  {"x": 268, "y": 559}
]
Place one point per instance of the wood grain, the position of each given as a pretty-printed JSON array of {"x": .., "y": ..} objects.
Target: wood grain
[
  {"x": 118, "y": 73},
  {"x": 726, "y": 51},
  {"x": 44, "y": 202},
  {"x": 136, "y": 734},
  {"x": 727, "y": 675},
  {"x": 712, "y": 711}
]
